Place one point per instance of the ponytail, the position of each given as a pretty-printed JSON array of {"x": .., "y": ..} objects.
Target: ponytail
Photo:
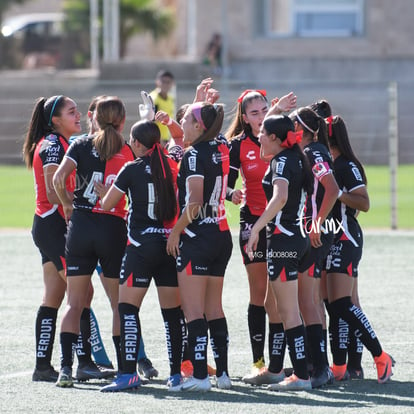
[
  {"x": 110, "y": 116},
  {"x": 282, "y": 126},
  {"x": 148, "y": 134},
  {"x": 339, "y": 139},
  {"x": 41, "y": 124}
]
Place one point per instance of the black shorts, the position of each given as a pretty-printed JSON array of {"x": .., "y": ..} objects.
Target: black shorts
[
  {"x": 149, "y": 261},
  {"x": 206, "y": 254},
  {"x": 284, "y": 254},
  {"x": 247, "y": 221},
  {"x": 49, "y": 235},
  {"x": 92, "y": 237},
  {"x": 314, "y": 261},
  {"x": 344, "y": 255}
]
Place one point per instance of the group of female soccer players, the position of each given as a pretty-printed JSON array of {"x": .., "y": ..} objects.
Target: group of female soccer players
[{"x": 299, "y": 176}]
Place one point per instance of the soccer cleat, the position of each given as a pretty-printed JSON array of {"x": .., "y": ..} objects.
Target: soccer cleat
[
  {"x": 123, "y": 382},
  {"x": 264, "y": 376},
  {"x": 197, "y": 385},
  {"x": 105, "y": 366},
  {"x": 146, "y": 369},
  {"x": 321, "y": 378},
  {"x": 187, "y": 368},
  {"x": 355, "y": 373},
  {"x": 175, "y": 382},
  {"x": 210, "y": 370},
  {"x": 340, "y": 372},
  {"x": 384, "y": 364},
  {"x": 256, "y": 368},
  {"x": 330, "y": 376},
  {"x": 292, "y": 383},
  {"x": 48, "y": 374},
  {"x": 223, "y": 382},
  {"x": 92, "y": 371},
  {"x": 65, "y": 378}
]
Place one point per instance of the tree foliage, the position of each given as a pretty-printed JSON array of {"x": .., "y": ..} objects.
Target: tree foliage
[{"x": 136, "y": 16}]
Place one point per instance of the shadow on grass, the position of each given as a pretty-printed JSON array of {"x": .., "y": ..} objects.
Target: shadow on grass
[{"x": 351, "y": 394}]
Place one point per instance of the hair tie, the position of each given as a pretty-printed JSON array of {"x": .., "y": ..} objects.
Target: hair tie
[
  {"x": 158, "y": 146},
  {"x": 53, "y": 109},
  {"x": 329, "y": 120},
  {"x": 292, "y": 138},
  {"x": 196, "y": 111},
  {"x": 303, "y": 124},
  {"x": 244, "y": 93}
]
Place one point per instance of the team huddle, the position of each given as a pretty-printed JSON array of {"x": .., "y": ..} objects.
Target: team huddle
[{"x": 153, "y": 207}]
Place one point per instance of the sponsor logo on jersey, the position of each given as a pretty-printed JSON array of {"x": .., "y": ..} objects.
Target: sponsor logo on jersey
[
  {"x": 251, "y": 155},
  {"x": 155, "y": 230},
  {"x": 192, "y": 163},
  {"x": 280, "y": 166},
  {"x": 218, "y": 157},
  {"x": 357, "y": 173},
  {"x": 251, "y": 166}
]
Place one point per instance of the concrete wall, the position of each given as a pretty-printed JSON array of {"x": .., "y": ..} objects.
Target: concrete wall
[{"x": 357, "y": 90}]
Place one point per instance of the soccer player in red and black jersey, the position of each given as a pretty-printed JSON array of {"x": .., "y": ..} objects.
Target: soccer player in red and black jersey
[
  {"x": 53, "y": 121},
  {"x": 150, "y": 182},
  {"x": 317, "y": 209},
  {"x": 252, "y": 107},
  {"x": 206, "y": 244},
  {"x": 346, "y": 251},
  {"x": 93, "y": 234},
  {"x": 284, "y": 184}
]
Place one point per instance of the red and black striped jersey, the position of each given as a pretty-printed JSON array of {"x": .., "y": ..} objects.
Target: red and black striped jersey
[
  {"x": 50, "y": 150},
  {"x": 209, "y": 160},
  {"x": 90, "y": 169},
  {"x": 245, "y": 157}
]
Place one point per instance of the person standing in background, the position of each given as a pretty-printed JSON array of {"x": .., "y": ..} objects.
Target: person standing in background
[{"x": 164, "y": 101}]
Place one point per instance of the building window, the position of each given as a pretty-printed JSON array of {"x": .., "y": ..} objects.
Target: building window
[{"x": 314, "y": 18}]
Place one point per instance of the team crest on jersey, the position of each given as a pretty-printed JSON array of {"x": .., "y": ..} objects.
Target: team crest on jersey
[
  {"x": 52, "y": 137},
  {"x": 320, "y": 169},
  {"x": 94, "y": 152},
  {"x": 192, "y": 163}
]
